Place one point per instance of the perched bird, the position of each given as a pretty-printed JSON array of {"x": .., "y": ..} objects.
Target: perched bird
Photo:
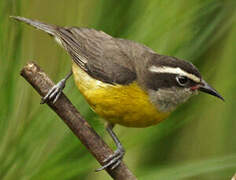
[{"x": 123, "y": 81}]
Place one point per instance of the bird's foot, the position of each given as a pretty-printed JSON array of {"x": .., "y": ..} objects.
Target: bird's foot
[
  {"x": 54, "y": 93},
  {"x": 113, "y": 160}
]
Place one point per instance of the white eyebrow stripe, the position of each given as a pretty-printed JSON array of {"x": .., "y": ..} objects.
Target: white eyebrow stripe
[{"x": 174, "y": 70}]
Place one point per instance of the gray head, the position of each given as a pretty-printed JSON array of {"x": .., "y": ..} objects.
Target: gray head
[{"x": 171, "y": 81}]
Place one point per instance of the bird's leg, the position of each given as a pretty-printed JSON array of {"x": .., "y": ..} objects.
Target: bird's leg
[
  {"x": 55, "y": 92},
  {"x": 115, "y": 159}
]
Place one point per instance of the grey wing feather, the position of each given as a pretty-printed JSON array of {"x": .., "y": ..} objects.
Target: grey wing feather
[
  {"x": 73, "y": 47},
  {"x": 98, "y": 54},
  {"x": 103, "y": 57}
]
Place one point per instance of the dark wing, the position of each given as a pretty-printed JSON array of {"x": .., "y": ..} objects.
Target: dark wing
[{"x": 103, "y": 57}]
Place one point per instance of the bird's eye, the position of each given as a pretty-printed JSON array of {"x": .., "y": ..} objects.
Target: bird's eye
[{"x": 182, "y": 80}]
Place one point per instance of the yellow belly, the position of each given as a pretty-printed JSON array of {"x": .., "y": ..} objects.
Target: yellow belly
[{"x": 126, "y": 105}]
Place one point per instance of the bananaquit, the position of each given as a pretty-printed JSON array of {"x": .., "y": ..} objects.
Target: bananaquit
[{"x": 124, "y": 82}]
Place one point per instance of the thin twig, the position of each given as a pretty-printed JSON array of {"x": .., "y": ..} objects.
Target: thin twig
[{"x": 68, "y": 113}]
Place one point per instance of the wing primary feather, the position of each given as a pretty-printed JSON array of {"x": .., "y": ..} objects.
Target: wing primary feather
[{"x": 72, "y": 47}]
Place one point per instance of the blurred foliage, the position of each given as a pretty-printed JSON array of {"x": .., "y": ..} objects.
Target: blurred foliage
[{"x": 196, "y": 142}]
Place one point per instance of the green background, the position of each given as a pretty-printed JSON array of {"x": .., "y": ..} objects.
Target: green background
[{"x": 196, "y": 142}]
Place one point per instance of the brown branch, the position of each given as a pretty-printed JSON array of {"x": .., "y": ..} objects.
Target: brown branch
[
  {"x": 68, "y": 113},
  {"x": 234, "y": 177}
]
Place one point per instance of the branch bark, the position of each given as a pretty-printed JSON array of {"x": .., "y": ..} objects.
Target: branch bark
[
  {"x": 234, "y": 178},
  {"x": 68, "y": 113}
]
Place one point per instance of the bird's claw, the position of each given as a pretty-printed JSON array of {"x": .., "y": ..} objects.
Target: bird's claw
[
  {"x": 54, "y": 93},
  {"x": 113, "y": 160}
]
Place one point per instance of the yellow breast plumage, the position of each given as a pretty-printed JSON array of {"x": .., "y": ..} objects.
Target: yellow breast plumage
[{"x": 126, "y": 105}]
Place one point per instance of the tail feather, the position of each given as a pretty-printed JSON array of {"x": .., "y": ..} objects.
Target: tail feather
[
  {"x": 50, "y": 29},
  {"x": 63, "y": 36}
]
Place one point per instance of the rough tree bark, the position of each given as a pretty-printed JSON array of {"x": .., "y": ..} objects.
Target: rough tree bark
[{"x": 68, "y": 113}]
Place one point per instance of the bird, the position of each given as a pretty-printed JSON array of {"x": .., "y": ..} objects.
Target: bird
[{"x": 124, "y": 82}]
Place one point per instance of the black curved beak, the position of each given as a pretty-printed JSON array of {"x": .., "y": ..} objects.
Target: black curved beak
[{"x": 208, "y": 89}]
